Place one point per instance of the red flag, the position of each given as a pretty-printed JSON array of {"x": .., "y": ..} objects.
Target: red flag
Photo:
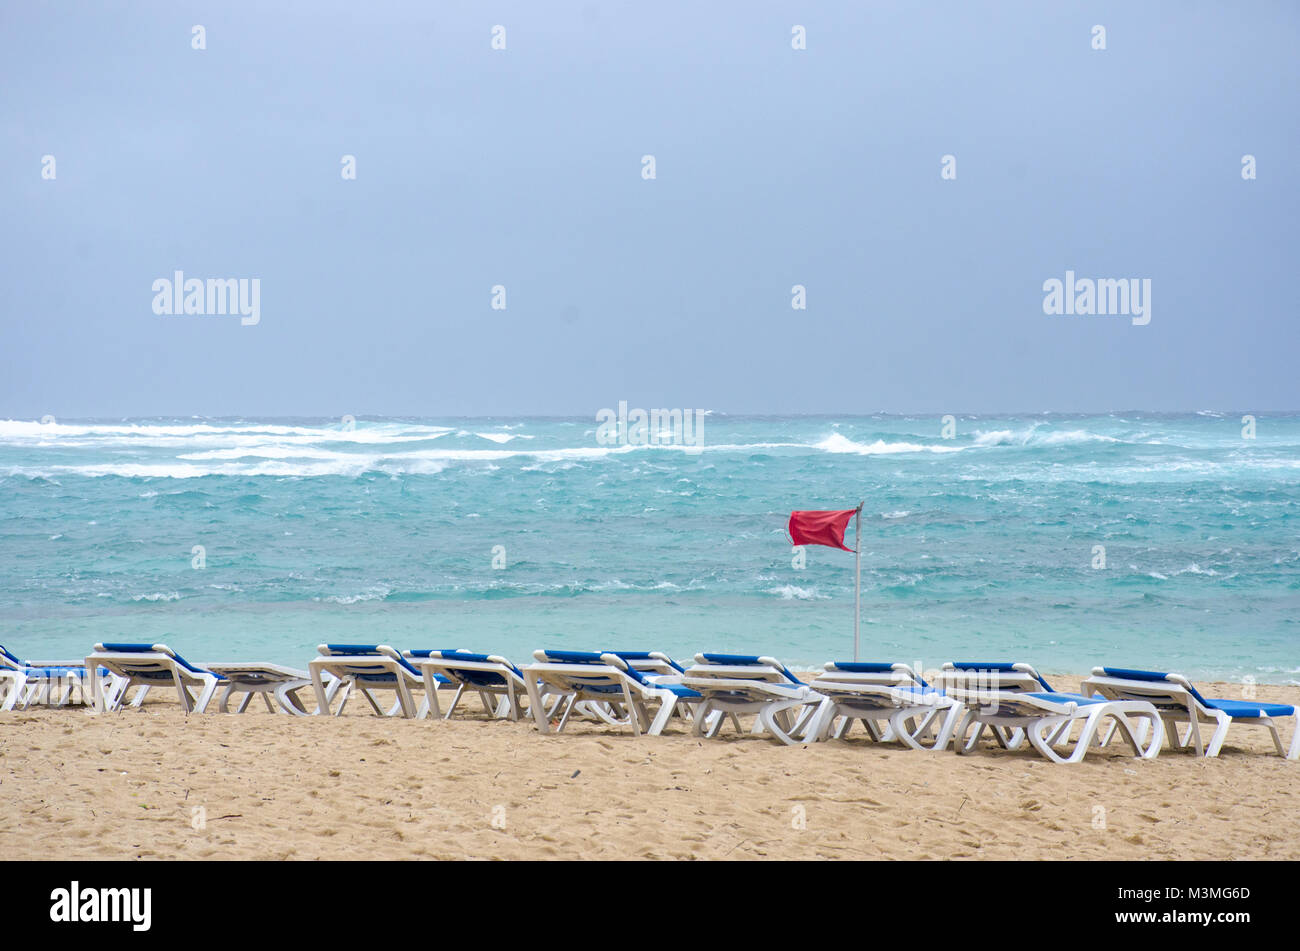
[{"x": 820, "y": 528}]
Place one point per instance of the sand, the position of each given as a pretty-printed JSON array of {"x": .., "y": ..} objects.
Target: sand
[{"x": 154, "y": 783}]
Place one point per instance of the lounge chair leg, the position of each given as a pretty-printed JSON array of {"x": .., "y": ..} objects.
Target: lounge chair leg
[
  {"x": 821, "y": 721},
  {"x": 568, "y": 709},
  {"x": 667, "y": 704},
  {"x": 455, "y": 699},
  {"x": 1195, "y": 732},
  {"x": 1035, "y": 733},
  {"x": 950, "y": 721},
  {"x": 701, "y": 715},
  {"x": 901, "y": 732},
  {"x": 1220, "y": 734},
  {"x": 322, "y": 697},
  {"x": 771, "y": 715},
  {"x": 289, "y": 700},
  {"x": 960, "y": 744},
  {"x": 541, "y": 716},
  {"x": 206, "y": 693}
]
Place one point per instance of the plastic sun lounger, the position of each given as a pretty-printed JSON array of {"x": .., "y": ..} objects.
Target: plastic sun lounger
[
  {"x": 1178, "y": 701},
  {"x": 656, "y": 667},
  {"x": 999, "y": 676},
  {"x": 1047, "y": 718},
  {"x": 733, "y": 684},
  {"x": 150, "y": 665},
  {"x": 368, "y": 667},
  {"x": 892, "y": 693},
  {"x": 603, "y": 684},
  {"x": 55, "y": 683},
  {"x": 269, "y": 680},
  {"x": 500, "y": 684}
]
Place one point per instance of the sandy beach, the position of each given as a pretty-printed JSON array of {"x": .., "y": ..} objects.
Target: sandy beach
[{"x": 154, "y": 783}]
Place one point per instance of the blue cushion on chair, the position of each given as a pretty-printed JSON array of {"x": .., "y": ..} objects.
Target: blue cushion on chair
[
  {"x": 574, "y": 657},
  {"x": 1251, "y": 708}
]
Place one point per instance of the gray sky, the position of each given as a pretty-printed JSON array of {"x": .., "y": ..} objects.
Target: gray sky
[{"x": 522, "y": 167}]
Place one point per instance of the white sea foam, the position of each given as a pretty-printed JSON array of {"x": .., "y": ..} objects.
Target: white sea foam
[
  {"x": 839, "y": 443},
  {"x": 374, "y": 593},
  {"x": 1032, "y": 436},
  {"x": 791, "y": 592}
]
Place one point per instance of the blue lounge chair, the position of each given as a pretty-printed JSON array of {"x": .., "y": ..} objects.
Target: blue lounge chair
[
  {"x": 499, "y": 683},
  {"x": 1048, "y": 717},
  {"x": 1179, "y": 701},
  {"x": 146, "y": 666},
  {"x": 268, "y": 680},
  {"x": 31, "y": 682},
  {"x": 997, "y": 677},
  {"x": 367, "y": 667},
  {"x": 733, "y": 684},
  {"x": 890, "y": 694},
  {"x": 604, "y": 685}
]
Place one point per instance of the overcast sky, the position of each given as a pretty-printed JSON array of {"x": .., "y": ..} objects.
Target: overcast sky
[{"x": 523, "y": 167}]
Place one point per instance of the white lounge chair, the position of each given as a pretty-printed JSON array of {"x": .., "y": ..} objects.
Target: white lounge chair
[
  {"x": 657, "y": 668},
  {"x": 145, "y": 666},
  {"x": 733, "y": 684},
  {"x": 998, "y": 677},
  {"x": 1179, "y": 702},
  {"x": 268, "y": 680},
  {"x": 601, "y": 683},
  {"x": 499, "y": 683},
  {"x": 1046, "y": 719},
  {"x": 367, "y": 667},
  {"x": 43, "y": 682},
  {"x": 892, "y": 701}
]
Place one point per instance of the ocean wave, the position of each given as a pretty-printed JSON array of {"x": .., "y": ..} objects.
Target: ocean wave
[
  {"x": 500, "y": 437},
  {"x": 791, "y": 592},
  {"x": 838, "y": 443},
  {"x": 250, "y": 433},
  {"x": 374, "y": 593},
  {"x": 1032, "y": 437}
]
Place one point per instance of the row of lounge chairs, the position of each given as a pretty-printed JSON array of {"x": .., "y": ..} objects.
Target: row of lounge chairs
[{"x": 643, "y": 690}]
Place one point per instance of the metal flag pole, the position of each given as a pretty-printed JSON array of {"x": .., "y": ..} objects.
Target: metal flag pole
[{"x": 857, "y": 585}]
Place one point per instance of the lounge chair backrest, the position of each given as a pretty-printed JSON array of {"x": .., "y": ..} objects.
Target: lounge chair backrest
[
  {"x": 360, "y": 652},
  {"x": 594, "y": 659},
  {"x": 124, "y": 648},
  {"x": 650, "y": 662},
  {"x": 1177, "y": 682},
  {"x": 546, "y": 656},
  {"x": 999, "y": 675},
  {"x": 764, "y": 668},
  {"x": 9, "y": 660},
  {"x": 891, "y": 675},
  {"x": 469, "y": 674}
]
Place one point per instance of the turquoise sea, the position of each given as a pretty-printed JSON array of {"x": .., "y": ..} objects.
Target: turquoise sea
[{"x": 979, "y": 546}]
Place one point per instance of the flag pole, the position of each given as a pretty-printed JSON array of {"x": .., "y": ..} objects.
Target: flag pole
[{"x": 857, "y": 584}]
